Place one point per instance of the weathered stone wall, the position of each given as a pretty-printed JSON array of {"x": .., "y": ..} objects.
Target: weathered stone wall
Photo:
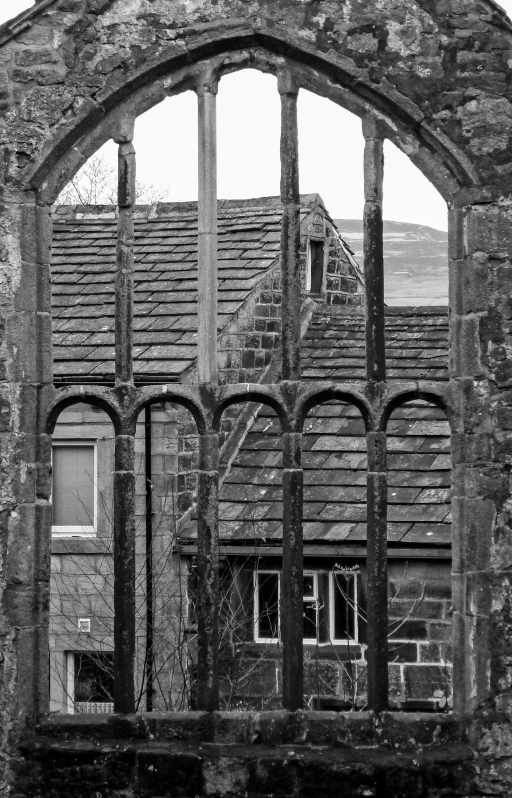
[
  {"x": 255, "y": 754},
  {"x": 438, "y": 76}
]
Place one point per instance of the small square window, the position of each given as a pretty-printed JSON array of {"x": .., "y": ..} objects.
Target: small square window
[{"x": 84, "y": 624}]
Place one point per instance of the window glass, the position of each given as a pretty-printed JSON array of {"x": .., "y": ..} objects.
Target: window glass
[
  {"x": 316, "y": 266},
  {"x": 309, "y": 586},
  {"x": 268, "y": 605},
  {"x": 344, "y": 606},
  {"x": 310, "y": 614},
  {"x": 94, "y": 677},
  {"x": 73, "y": 490}
]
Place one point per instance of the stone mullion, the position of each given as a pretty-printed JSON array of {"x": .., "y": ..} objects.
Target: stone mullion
[
  {"x": 124, "y": 473},
  {"x": 208, "y": 572},
  {"x": 125, "y": 254},
  {"x": 377, "y": 572},
  {"x": 124, "y": 572},
  {"x": 26, "y": 453},
  {"x": 290, "y": 229},
  {"x": 207, "y": 233},
  {"x": 474, "y": 540},
  {"x": 373, "y": 250},
  {"x": 43, "y": 510},
  {"x": 292, "y": 610}
]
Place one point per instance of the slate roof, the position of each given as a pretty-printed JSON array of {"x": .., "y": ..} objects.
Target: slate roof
[
  {"x": 165, "y": 321},
  {"x": 419, "y": 461}
]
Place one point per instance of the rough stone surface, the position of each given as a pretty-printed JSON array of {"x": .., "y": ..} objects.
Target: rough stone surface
[{"x": 439, "y": 76}]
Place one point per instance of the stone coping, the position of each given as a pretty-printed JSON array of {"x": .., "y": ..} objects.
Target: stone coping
[{"x": 403, "y": 730}]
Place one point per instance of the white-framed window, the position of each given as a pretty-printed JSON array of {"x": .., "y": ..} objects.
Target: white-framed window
[
  {"x": 343, "y": 606},
  {"x": 89, "y": 681},
  {"x": 74, "y": 488},
  {"x": 330, "y": 613},
  {"x": 310, "y": 605},
  {"x": 267, "y": 599}
]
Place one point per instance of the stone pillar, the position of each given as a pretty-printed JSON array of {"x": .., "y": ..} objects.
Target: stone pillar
[
  {"x": 124, "y": 253},
  {"x": 377, "y": 566},
  {"x": 208, "y": 572},
  {"x": 124, "y": 473},
  {"x": 292, "y": 608},
  {"x": 207, "y": 232},
  {"x": 25, "y": 376},
  {"x": 479, "y": 297},
  {"x": 373, "y": 251},
  {"x": 290, "y": 229},
  {"x": 124, "y": 572}
]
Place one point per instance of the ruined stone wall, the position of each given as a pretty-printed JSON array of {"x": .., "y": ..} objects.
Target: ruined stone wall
[{"x": 438, "y": 76}]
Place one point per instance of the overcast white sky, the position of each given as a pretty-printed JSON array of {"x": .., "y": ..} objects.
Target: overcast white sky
[{"x": 331, "y": 148}]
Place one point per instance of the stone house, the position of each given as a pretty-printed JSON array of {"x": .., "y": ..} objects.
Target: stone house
[{"x": 250, "y": 510}]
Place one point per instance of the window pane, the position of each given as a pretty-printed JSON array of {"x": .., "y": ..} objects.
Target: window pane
[
  {"x": 94, "y": 677},
  {"x": 268, "y": 605},
  {"x": 344, "y": 611},
  {"x": 317, "y": 266},
  {"x": 309, "y": 586},
  {"x": 310, "y": 620},
  {"x": 73, "y": 486}
]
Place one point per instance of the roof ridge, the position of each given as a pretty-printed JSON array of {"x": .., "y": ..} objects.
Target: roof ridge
[{"x": 161, "y": 209}]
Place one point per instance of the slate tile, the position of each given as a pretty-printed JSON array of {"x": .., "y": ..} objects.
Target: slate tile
[
  {"x": 404, "y": 462},
  {"x": 346, "y": 460},
  {"x": 337, "y": 532},
  {"x": 401, "y": 495},
  {"x": 428, "y": 534},
  {"x": 417, "y": 512},
  {"x": 434, "y": 496},
  {"x": 343, "y": 512},
  {"x": 229, "y": 511},
  {"x": 419, "y": 478},
  {"x": 396, "y": 531}
]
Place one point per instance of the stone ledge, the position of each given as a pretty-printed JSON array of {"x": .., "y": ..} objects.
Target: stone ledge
[{"x": 338, "y": 729}]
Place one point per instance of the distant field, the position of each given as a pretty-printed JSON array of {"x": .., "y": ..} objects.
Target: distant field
[{"x": 415, "y": 261}]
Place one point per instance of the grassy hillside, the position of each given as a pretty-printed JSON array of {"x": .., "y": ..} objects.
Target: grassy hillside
[{"x": 416, "y": 261}]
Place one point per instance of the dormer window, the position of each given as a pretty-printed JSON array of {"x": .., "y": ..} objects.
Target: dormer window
[{"x": 315, "y": 266}]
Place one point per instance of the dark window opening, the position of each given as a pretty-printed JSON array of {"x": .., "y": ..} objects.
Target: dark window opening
[
  {"x": 267, "y": 606},
  {"x": 315, "y": 267},
  {"x": 93, "y": 678}
]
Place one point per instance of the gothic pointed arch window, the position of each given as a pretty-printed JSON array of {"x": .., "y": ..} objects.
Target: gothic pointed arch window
[{"x": 312, "y": 602}]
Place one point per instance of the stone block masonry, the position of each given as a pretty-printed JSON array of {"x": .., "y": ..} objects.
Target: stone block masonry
[{"x": 254, "y": 754}]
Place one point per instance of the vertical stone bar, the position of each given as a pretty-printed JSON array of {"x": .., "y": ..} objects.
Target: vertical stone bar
[
  {"x": 290, "y": 229},
  {"x": 124, "y": 253},
  {"x": 208, "y": 573},
  {"x": 377, "y": 567},
  {"x": 207, "y": 232},
  {"x": 124, "y": 573},
  {"x": 124, "y": 474},
  {"x": 374, "y": 251},
  {"x": 292, "y": 624}
]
